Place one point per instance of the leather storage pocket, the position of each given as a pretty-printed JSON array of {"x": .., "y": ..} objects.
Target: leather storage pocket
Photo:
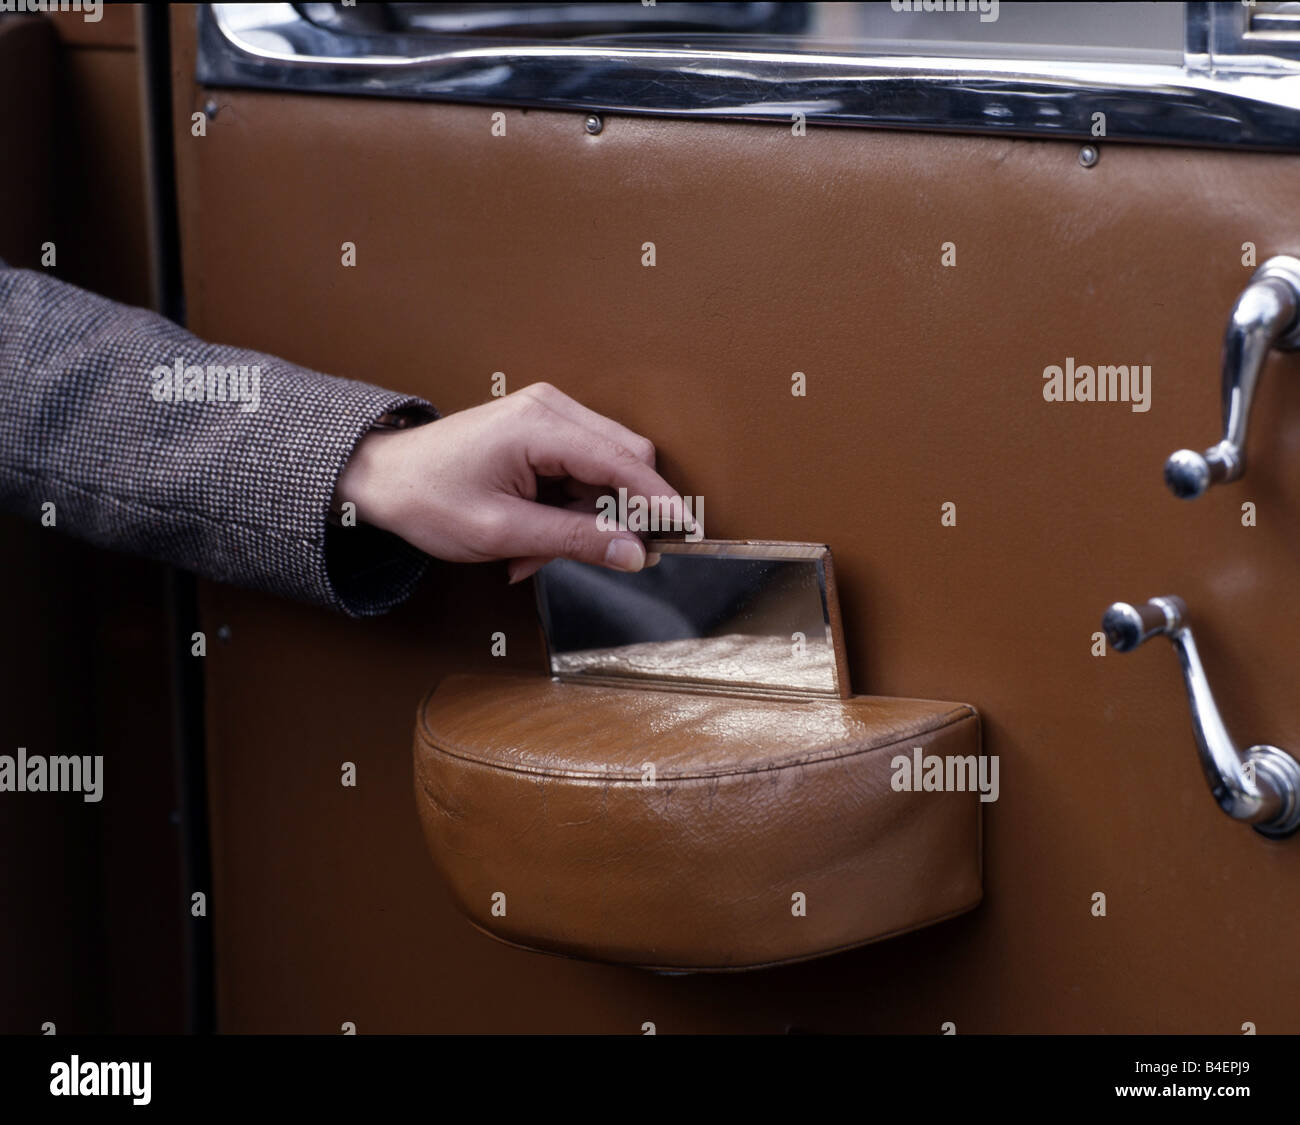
[{"x": 687, "y": 831}]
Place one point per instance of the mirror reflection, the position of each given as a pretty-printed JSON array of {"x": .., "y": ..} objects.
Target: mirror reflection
[{"x": 738, "y": 615}]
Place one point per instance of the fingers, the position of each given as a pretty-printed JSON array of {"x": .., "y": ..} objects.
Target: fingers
[
  {"x": 554, "y": 399},
  {"x": 536, "y": 533},
  {"x": 519, "y": 569},
  {"x": 576, "y": 493},
  {"x": 593, "y": 451},
  {"x": 566, "y": 449},
  {"x": 584, "y": 503}
]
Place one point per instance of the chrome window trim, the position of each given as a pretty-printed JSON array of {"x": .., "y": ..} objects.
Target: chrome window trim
[
  {"x": 1218, "y": 98},
  {"x": 1219, "y": 37}
]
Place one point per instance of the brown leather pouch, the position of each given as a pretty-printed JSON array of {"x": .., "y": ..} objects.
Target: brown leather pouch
[{"x": 688, "y": 831}]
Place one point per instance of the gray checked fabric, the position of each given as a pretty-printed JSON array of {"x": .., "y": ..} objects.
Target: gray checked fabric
[{"x": 236, "y": 488}]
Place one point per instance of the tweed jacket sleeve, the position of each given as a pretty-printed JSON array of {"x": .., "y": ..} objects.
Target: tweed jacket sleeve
[{"x": 118, "y": 427}]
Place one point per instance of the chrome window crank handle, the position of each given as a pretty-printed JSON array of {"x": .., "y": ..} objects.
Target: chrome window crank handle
[
  {"x": 1266, "y": 316},
  {"x": 1260, "y": 786}
]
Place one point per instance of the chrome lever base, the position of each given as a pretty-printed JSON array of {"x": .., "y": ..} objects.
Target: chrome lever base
[
  {"x": 1265, "y": 317},
  {"x": 1260, "y": 787},
  {"x": 1283, "y": 771},
  {"x": 1285, "y": 269}
]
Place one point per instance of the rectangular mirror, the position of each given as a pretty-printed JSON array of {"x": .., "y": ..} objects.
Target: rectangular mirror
[{"x": 731, "y": 615}]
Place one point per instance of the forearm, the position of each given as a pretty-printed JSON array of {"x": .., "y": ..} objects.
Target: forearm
[{"x": 228, "y": 473}]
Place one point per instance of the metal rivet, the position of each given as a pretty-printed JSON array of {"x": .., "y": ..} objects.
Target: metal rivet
[
  {"x": 210, "y": 108},
  {"x": 594, "y": 124},
  {"x": 223, "y": 633},
  {"x": 1088, "y": 155}
]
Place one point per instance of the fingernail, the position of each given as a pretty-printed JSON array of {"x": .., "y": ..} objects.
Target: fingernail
[
  {"x": 652, "y": 558},
  {"x": 625, "y": 554}
]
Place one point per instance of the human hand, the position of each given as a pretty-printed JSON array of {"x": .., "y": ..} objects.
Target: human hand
[{"x": 516, "y": 478}]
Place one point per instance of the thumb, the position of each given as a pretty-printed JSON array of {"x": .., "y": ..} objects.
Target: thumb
[{"x": 540, "y": 530}]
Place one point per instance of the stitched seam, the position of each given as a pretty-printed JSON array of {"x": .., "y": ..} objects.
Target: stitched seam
[
  {"x": 725, "y": 970},
  {"x": 958, "y": 716}
]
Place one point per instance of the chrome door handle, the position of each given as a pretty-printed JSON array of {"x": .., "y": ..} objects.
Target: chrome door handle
[
  {"x": 1266, "y": 316},
  {"x": 1260, "y": 786}
]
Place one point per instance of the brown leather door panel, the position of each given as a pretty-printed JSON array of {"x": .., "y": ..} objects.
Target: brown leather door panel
[{"x": 776, "y": 254}]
